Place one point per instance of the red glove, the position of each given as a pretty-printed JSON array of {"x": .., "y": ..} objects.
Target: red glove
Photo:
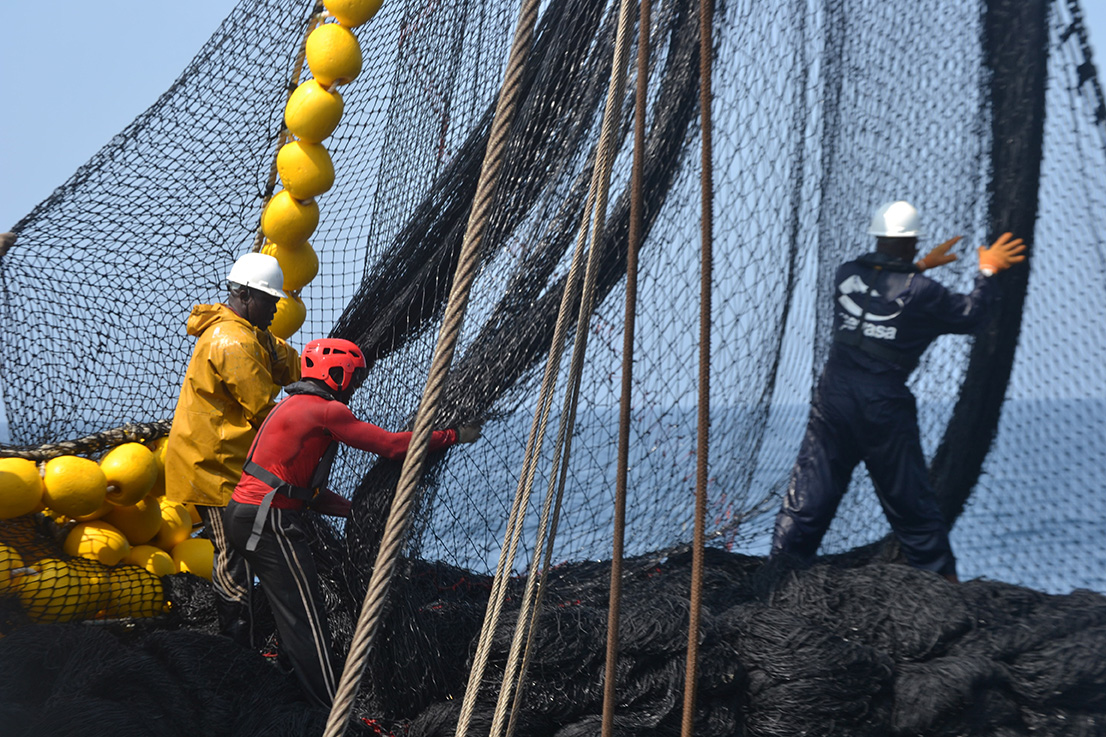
[{"x": 329, "y": 503}]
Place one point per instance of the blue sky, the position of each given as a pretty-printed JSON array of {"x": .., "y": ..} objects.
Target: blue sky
[{"x": 72, "y": 80}]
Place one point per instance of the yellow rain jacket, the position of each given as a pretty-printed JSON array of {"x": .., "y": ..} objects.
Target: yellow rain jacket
[{"x": 235, "y": 373}]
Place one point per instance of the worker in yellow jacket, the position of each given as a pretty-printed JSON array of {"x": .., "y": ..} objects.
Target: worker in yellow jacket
[{"x": 236, "y": 371}]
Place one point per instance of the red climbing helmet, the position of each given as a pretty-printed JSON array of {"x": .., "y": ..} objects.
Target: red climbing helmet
[{"x": 333, "y": 361}]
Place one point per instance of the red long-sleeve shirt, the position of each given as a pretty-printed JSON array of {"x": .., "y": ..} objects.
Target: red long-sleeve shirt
[{"x": 296, "y": 435}]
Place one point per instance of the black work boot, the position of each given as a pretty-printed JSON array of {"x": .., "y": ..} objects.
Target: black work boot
[{"x": 234, "y": 621}]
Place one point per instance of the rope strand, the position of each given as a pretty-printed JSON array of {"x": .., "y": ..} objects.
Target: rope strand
[
  {"x": 706, "y": 9},
  {"x": 399, "y": 515},
  {"x": 530, "y": 605},
  {"x": 632, "y": 246}
]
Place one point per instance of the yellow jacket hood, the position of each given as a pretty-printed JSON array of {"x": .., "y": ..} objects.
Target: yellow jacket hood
[{"x": 204, "y": 316}]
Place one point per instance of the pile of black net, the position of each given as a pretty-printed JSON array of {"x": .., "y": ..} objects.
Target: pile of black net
[
  {"x": 987, "y": 116},
  {"x": 857, "y": 646}
]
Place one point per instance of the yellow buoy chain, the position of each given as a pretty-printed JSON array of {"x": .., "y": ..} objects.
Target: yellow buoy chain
[{"x": 312, "y": 112}]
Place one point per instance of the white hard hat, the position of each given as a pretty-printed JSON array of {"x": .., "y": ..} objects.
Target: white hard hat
[
  {"x": 896, "y": 220},
  {"x": 258, "y": 271}
]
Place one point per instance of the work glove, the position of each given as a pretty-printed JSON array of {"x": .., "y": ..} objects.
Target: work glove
[
  {"x": 939, "y": 256},
  {"x": 328, "y": 503},
  {"x": 468, "y": 433},
  {"x": 1003, "y": 253}
]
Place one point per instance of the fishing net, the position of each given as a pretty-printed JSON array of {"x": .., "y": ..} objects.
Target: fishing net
[{"x": 821, "y": 112}]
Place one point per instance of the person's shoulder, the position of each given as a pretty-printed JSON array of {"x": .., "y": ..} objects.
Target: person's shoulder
[
  {"x": 853, "y": 265},
  {"x": 923, "y": 281},
  {"x": 234, "y": 329},
  {"x": 216, "y": 318},
  {"x": 305, "y": 400},
  {"x": 284, "y": 345},
  {"x": 926, "y": 289},
  {"x": 232, "y": 337}
]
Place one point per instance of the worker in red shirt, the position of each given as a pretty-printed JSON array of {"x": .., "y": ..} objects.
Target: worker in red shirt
[{"x": 284, "y": 475}]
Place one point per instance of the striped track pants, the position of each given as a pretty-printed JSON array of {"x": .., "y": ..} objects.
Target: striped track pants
[{"x": 283, "y": 564}]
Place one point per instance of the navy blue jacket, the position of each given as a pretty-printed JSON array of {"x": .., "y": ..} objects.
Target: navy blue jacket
[{"x": 886, "y": 313}]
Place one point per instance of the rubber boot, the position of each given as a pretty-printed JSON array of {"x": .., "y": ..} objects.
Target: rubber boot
[{"x": 235, "y": 621}]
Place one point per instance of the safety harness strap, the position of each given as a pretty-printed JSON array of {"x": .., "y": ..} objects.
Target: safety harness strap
[
  {"x": 277, "y": 485},
  {"x": 259, "y": 520}
]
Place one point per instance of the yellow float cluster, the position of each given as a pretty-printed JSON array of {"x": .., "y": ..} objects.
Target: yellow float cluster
[
  {"x": 306, "y": 171},
  {"x": 119, "y": 534}
]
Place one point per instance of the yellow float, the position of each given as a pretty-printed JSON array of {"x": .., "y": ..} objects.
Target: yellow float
[
  {"x": 139, "y": 522},
  {"x": 20, "y": 487},
  {"x": 195, "y": 555},
  {"x": 50, "y": 590},
  {"x": 313, "y": 112},
  {"x": 73, "y": 486},
  {"x": 290, "y": 316},
  {"x": 353, "y": 13},
  {"x": 157, "y": 447},
  {"x": 305, "y": 169},
  {"x": 134, "y": 592},
  {"x": 176, "y": 525},
  {"x": 98, "y": 514},
  {"x": 153, "y": 559},
  {"x": 299, "y": 264},
  {"x": 131, "y": 471},
  {"x": 333, "y": 54},
  {"x": 97, "y": 540},
  {"x": 288, "y": 221},
  {"x": 10, "y": 560}
]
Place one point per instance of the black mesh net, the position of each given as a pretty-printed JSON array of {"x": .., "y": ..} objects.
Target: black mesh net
[{"x": 821, "y": 112}]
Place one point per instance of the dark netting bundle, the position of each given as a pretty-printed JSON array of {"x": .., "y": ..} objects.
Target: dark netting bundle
[{"x": 988, "y": 116}]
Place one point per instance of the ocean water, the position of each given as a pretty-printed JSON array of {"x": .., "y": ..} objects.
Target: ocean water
[{"x": 1035, "y": 518}]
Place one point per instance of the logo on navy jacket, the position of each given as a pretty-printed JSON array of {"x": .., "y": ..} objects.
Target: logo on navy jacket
[{"x": 855, "y": 301}]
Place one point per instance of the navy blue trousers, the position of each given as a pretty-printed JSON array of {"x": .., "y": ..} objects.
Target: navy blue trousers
[{"x": 857, "y": 417}]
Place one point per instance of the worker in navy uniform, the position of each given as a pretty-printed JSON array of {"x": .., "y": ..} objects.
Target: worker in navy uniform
[{"x": 886, "y": 313}]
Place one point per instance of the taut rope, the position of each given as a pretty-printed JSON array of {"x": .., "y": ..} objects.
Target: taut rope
[
  {"x": 399, "y": 515},
  {"x": 706, "y": 172},
  {"x": 619, "y": 534}
]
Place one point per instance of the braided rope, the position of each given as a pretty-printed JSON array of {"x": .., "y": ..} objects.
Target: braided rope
[
  {"x": 399, "y": 515},
  {"x": 535, "y": 441},
  {"x": 518, "y": 659},
  {"x": 706, "y": 13},
  {"x": 521, "y": 501},
  {"x": 622, "y": 464},
  {"x": 132, "y": 432}
]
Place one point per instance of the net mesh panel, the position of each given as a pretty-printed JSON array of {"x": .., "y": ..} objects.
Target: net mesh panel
[
  {"x": 1047, "y": 452},
  {"x": 822, "y": 111}
]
